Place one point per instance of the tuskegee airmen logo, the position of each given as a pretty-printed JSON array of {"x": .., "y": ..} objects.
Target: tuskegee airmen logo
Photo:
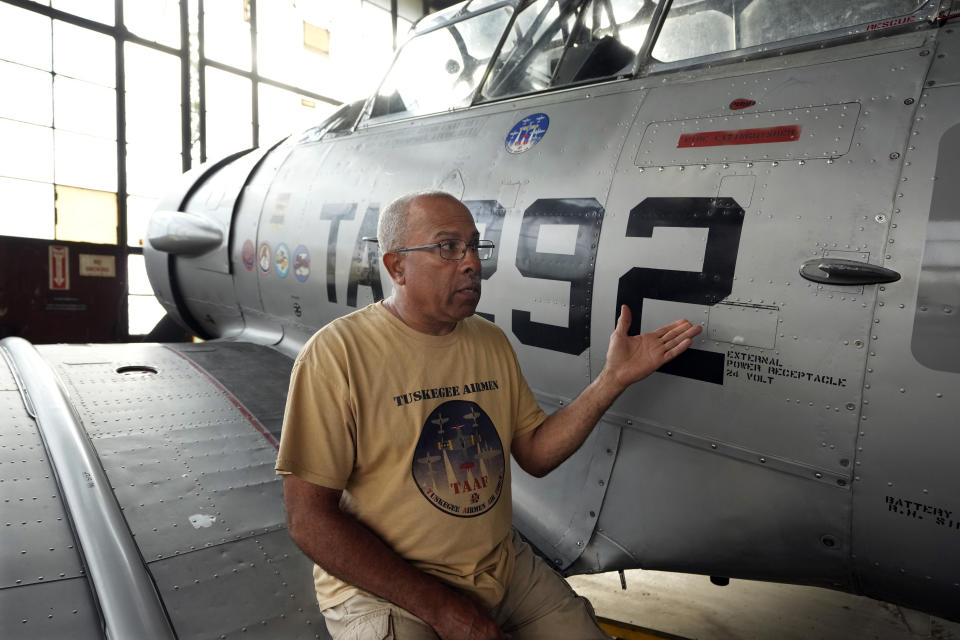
[
  {"x": 459, "y": 463},
  {"x": 527, "y": 132}
]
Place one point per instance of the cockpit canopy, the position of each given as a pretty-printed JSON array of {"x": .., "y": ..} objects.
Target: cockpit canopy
[{"x": 485, "y": 50}]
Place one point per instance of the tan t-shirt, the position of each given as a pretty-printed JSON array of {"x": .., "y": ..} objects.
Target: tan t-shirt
[{"x": 416, "y": 429}]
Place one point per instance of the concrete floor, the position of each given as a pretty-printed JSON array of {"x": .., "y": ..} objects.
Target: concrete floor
[{"x": 691, "y": 607}]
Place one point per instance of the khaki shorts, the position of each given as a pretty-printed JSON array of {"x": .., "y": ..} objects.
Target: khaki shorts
[{"x": 538, "y": 605}]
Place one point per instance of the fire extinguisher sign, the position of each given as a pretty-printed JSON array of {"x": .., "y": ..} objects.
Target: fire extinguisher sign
[{"x": 59, "y": 268}]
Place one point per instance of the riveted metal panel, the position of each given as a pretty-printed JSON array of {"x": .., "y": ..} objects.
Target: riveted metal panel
[
  {"x": 243, "y": 368},
  {"x": 945, "y": 70},
  {"x": 764, "y": 429},
  {"x": 37, "y": 544},
  {"x": 61, "y": 609},
  {"x": 177, "y": 497},
  {"x": 936, "y": 326},
  {"x": 786, "y": 134},
  {"x": 750, "y": 325},
  {"x": 906, "y": 507},
  {"x": 128, "y": 602},
  {"x": 772, "y": 523},
  {"x": 192, "y": 468},
  {"x": 810, "y": 376},
  {"x": 286, "y": 218},
  {"x": 257, "y": 587},
  {"x": 558, "y": 513},
  {"x": 37, "y": 548}
]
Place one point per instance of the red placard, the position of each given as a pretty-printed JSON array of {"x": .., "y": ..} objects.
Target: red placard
[
  {"x": 59, "y": 268},
  {"x": 742, "y": 103},
  {"x": 764, "y": 135}
]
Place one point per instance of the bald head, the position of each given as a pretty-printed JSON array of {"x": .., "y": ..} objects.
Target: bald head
[{"x": 394, "y": 220}]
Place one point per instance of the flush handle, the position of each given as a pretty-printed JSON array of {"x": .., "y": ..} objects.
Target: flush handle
[{"x": 839, "y": 271}]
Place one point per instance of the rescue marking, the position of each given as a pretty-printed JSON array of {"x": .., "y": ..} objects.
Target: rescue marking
[
  {"x": 742, "y": 103},
  {"x": 526, "y": 133},
  {"x": 893, "y": 22},
  {"x": 764, "y": 135}
]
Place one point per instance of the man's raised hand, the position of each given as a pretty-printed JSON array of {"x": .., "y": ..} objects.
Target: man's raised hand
[{"x": 633, "y": 358}]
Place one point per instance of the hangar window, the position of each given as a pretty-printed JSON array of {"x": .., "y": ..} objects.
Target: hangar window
[
  {"x": 114, "y": 99},
  {"x": 145, "y": 312},
  {"x": 440, "y": 69},
  {"x": 554, "y": 43},
  {"x": 157, "y": 20},
  {"x": 154, "y": 150},
  {"x": 86, "y": 215}
]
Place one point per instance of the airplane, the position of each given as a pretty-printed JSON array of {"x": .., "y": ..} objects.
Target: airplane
[{"x": 783, "y": 172}]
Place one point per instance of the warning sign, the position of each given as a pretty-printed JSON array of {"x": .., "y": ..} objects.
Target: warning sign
[
  {"x": 98, "y": 265},
  {"x": 59, "y": 268},
  {"x": 787, "y": 133}
]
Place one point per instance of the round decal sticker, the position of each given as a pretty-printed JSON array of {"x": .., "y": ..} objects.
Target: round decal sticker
[
  {"x": 527, "y": 132},
  {"x": 281, "y": 260},
  {"x": 249, "y": 255},
  {"x": 301, "y": 263},
  {"x": 265, "y": 257},
  {"x": 459, "y": 462}
]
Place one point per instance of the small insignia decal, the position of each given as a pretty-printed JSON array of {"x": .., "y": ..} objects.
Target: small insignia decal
[
  {"x": 249, "y": 255},
  {"x": 301, "y": 263},
  {"x": 265, "y": 257},
  {"x": 742, "y": 103},
  {"x": 527, "y": 132},
  {"x": 281, "y": 260}
]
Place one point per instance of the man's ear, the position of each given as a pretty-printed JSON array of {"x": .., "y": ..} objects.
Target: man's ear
[{"x": 394, "y": 264}]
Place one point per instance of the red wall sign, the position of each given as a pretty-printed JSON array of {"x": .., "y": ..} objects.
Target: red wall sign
[
  {"x": 787, "y": 133},
  {"x": 59, "y": 268}
]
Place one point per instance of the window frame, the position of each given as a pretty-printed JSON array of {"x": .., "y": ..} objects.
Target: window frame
[{"x": 366, "y": 120}]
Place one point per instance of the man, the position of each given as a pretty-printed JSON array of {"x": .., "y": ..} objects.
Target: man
[{"x": 395, "y": 442}]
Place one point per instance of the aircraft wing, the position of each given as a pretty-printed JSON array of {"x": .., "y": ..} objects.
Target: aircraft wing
[{"x": 139, "y": 497}]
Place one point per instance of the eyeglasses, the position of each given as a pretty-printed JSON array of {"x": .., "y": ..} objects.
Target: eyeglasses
[{"x": 456, "y": 250}]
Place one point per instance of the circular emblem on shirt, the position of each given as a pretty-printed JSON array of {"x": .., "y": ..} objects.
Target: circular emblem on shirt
[
  {"x": 527, "y": 132},
  {"x": 459, "y": 464}
]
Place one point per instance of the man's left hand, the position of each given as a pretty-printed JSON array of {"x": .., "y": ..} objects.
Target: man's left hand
[{"x": 633, "y": 358}]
